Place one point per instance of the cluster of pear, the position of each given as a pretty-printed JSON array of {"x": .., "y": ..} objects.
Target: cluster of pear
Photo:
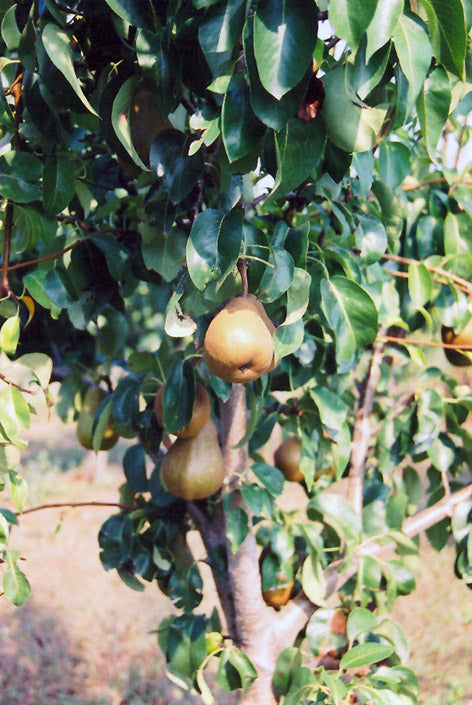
[
  {"x": 239, "y": 345},
  {"x": 84, "y": 430},
  {"x": 193, "y": 467}
]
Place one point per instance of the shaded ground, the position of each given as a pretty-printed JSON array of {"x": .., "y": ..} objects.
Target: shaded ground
[{"x": 84, "y": 638}]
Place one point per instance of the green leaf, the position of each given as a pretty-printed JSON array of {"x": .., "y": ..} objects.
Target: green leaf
[
  {"x": 57, "y": 44},
  {"x": 360, "y": 620},
  {"x": 337, "y": 511},
  {"x": 351, "y": 313},
  {"x": 221, "y": 29},
  {"x": 234, "y": 670},
  {"x": 288, "y": 338},
  {"x": 288, "y": 661},
  {"x": 414, "y": 53},
  {"x": 350, "y": 19},
  {"x": 433, "y": 108},
  {"x": 137, "y": 12},
  {"x": 270, "y": 477},
  {"x": 420, "y": 284},
  {"x": 58, "y": 183},
  {"x": 214, "y": 245},
  {"x": 237, "y": 527},
  {"x": 366, "y": 654},
  {"x": 449, "y": 33},
  {"x": 394, "y": 161},
  {"x": 313, "y": 581},
  {"x": 371, "y": 239},
  {"x": 163, "y": 252},
  {"x": 18, "y": 489},
  {"x": 284, "y": 41},
  {"x": 179, "y": 396},
  {"x": 350, "y": 127},
  {"x": 18, "y": 190},
  {"x": 125, "y": 402},
  {"x": 457, "y": 233},
  {"x": 169, "y": 153},
  {"x": 272, "y": 112},
  {"x": 383, "y": 24},
  {"x": 15, "y": 585},
  {"x": 332, "y": 409},
  {"x": 278, "y": 275},
  {"x": 134, "y": 466},
  {"x": 240, "y": 128},
  {"x": 10, "y": 334},
  {"x": 100, "y": 423},
  {"x": 299, "y": 147}
]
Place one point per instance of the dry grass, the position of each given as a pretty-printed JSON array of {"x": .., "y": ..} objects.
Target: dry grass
[{"x": 84, "y": 637}]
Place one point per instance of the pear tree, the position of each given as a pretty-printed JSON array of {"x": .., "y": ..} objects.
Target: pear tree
[{"x": 228, "y": 225}]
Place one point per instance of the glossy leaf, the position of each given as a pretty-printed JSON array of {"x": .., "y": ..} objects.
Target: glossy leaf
[
  {"x": 447, "y": 18},
  {"x": 169, "y": 152},
  {"x": 299, "y": 147},
  {"x": 134, "y": 467},
  {"x": 351, "y": 314},
  {"x": 420, "y": 284},
  {"x": 222, "y": 26},
  {"x": 240, "y": 128},
  {"x": 58, "y": 184},
  {"x": 433, "y": 108},
  {"x": 414, "y": 53},
  {"x": 350, "y": 19},
  {"x": 136, "y": 12},
  {"x": 237, "y": 528},
  {"x": 383, "y": 24},
  {"x": 213, "y": 246},
  {"x": 366, "y": 654},
  {"x": 57, "y": 44},
  {"x": 284, "y": 40},
  {"x": 179, "y": 396},
  {"x": 9, "y": 335}
]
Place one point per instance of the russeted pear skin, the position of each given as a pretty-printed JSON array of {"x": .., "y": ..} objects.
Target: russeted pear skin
[
  {"x": 287, "y": 459},
  {"x": 145, "y": 121},
  {"x": 193, "y": 468},
  {"x": 238, "y": 345},
  {"x": 200, "y": 415}
]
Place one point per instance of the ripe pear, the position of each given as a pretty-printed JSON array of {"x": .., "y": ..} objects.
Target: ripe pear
[
  {"x": 238, "y": 344},
  {"x": 287, "y": 459},
  {"x": 193, "y": 468},
  {"x": 92, "y": 400},
  {"x": 200, "y": 413},
  {"x": 455, "y": 357},
  {"x": 145, "y": 121},
  {"x": 278, "y": 596}
]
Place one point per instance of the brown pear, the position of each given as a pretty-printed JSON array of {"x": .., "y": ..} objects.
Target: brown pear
[
  {"x": 145, "y": 121},
  {"x": 464, "y": 338},
  {"x": 287, "y": 459},
  {"x": 200, "y": 414},
  {"x": 238, "y": 344},
  {"x": 193, "y": 468}
]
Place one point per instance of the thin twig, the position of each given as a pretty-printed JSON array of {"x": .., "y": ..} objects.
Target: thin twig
[
  {"x": 242, "y": 269},
  {"x": 440, "y": 180},
  {"x": 418, "y": 341},
  {"x": 17, "y": 386},
  {"x": 61, "y": 505},
  {"x": 7, "y": 235},
  {"x": 46, "y": 258},
  {"x": 437, "y": 270}
]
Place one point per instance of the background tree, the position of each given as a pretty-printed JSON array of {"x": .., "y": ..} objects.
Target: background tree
[{"x": 161, "y": 158}]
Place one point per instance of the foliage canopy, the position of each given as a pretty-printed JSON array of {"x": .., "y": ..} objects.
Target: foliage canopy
[{"x": 158, "y": 158}]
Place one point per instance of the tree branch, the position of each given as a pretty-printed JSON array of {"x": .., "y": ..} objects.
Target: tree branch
[
  {"x": 436, "y": 270},
  {"x": 7, "y": 235},
  {"x": 362, "y": 429},
  {"x": 72, "y": 505}
]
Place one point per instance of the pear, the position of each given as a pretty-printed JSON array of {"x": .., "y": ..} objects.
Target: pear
[
  {"x": 92, "y": 400},
  {"x": 238, "y": 345},
  {"x": 145, "y": 121},
  {"x": 287, "y": 459},
  {"x": 200, "y": 413},
  {"x": 193, "y": 468},
  {"x": 464, "y": 338}
]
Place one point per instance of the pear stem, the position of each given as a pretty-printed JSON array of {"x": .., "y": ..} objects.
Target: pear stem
[{"x": 242, "y": 269}]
